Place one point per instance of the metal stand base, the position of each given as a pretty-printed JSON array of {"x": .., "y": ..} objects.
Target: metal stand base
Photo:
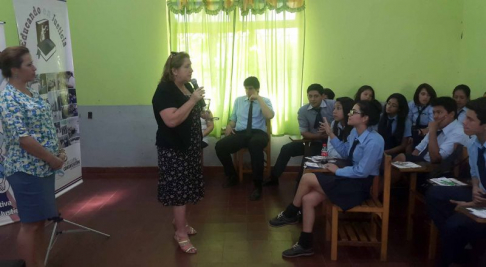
[{"x": 55, "y": 233}]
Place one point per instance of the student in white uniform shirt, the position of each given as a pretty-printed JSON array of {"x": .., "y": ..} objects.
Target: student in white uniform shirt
[
  {"x": 461, "y": 95},
  {"x": 444, "y": 133}
]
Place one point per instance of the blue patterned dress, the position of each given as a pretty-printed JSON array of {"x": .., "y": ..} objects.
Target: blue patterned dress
[{"x": 22, "y": 116}]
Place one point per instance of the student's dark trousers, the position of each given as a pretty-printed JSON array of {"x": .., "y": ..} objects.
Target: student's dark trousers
[
  {"x": 456, "y": 229},
  {"x": 255, "y": 142},
  {"x": 292, "y": 149}
]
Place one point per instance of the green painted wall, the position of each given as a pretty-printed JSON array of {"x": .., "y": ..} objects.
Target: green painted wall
[
  {"x": 7, "y": 14},
  {"x": 120, "y": 46},
  {"x": 391, "y": 45},
  {"x": 473, "y": 53}
]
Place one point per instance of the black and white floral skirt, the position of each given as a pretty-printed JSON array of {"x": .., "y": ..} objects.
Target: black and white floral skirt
[{"x": 180, "y": 176}]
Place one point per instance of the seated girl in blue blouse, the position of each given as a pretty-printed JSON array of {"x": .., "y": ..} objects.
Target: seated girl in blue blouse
[
  {"x": 394, "y": 125},
  {"x": 461, "y": 95},
  {"x": 365, "y": 92},
  {"x": 339, "y": 126},
  {"x": 346, "y": 187},
  {"x": 420, "y": 111}
]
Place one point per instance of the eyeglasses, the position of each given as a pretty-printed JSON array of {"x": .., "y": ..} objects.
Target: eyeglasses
[{"x": 352, "y": 112}]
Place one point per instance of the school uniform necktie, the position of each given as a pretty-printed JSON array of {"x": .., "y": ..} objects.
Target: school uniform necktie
[
  {"x": 353, "y": 147},
  {"x": 482, "y": 166},
  {"x": 424, "y": 152},
  {"x": 420, "y": 110},
  {"x": 250, "y": 118},
  {"x": 389, "y": 127},
  {"x": 318, "y": 118}
]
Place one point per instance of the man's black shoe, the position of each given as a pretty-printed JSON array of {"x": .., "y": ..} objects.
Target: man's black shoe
[
  {"x": 297, "y": 251},
  {"x": 271, "y": 182},
  {"x": 282, "y": 220},
  {"x": 232, "y": 181},
  {"x": 256, "y": 194}
]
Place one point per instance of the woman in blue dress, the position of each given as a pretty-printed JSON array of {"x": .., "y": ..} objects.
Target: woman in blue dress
[{"x": 33, "y": 152}]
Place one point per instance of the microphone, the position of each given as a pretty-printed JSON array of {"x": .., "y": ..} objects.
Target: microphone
[{"x": 194, "y": 83}]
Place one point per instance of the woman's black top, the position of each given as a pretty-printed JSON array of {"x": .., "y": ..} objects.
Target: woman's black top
[{"x": 168, "y": 95}]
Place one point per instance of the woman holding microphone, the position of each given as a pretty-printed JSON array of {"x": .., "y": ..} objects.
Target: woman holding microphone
[{"x": 177, "y": 109}]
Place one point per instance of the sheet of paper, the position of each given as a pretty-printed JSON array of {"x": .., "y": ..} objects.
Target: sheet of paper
[
  {"x": 480, "y": 212},
  {"x": 447, "y": 181},
  {"x": 405, "y": 165}
]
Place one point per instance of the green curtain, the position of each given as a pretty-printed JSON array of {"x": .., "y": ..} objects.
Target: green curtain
[{"x": 227, "y": 47}]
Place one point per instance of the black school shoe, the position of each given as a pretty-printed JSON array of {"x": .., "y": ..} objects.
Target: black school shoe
[
  {"x": 282, "y": 220},
  {"x": 297, "y": 251}
]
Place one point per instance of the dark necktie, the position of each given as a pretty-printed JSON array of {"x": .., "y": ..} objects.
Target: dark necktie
[
  {"x": 420, "y": 110},
  {"x": 389, "y": 134},
  {"x": 318, "y": 118},
  {"x": 424, "y": 152},
  {"x": 353, "y": 147},
  {"x": 389, "y": 131},
  {"x": 482, "y": 166},
  {"x": 250, "y": 118},
  {"x": 340, "y": 133}
]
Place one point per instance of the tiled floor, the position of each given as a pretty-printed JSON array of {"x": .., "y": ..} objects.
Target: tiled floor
[{"x": 233, "y": 231}]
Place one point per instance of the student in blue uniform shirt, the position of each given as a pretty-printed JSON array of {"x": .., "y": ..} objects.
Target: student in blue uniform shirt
[
  {"x": 309, "y": 117},
  {"x": 247, "y": 128},
  {"x": 420, "y": 111},
  {"x": 456, "y": 229},
  {"x": 461, "y": 95},
  {"x": 339, "y": 126},
  {"x": 346, "y": 187},
  {"x": 328, "y": 94},
  {"x": 365, "y": 92},
  {"x": 394, "y": 125}
]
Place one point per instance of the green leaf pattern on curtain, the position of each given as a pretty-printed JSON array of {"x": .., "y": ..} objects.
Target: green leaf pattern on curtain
[
  {"x": 226, "y": 48},
  {"x": 213, "y": 7}
]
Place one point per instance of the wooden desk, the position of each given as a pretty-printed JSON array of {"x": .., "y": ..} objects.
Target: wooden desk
[
  {"x": 470, "y": 215},
  {"x": 412, "y": 174}
]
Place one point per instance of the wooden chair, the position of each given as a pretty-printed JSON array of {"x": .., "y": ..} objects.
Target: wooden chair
[
  {"x": 238, "y": 157},
  {"x": 359, "y": 233}
]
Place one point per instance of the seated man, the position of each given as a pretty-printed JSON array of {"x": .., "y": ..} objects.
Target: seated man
[
  {"x": 309, "y": 116},
  {"x": 456, "y": 229},
  {"x": 247, "y": 129},
  {"x": 444, "y": 133}
]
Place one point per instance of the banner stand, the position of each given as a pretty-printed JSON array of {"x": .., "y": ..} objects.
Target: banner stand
[{"x": 55, "y": 233}]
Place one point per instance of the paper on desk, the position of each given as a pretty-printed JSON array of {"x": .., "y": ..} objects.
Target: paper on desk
[
  {"x": 405, "y": 165},
  {"x": 447, "y": 181},
  {"x": 479, "y": 212},
  {"x": 313, "y": 165}
]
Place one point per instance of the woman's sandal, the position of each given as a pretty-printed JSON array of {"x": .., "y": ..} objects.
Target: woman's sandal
[
  {"x": 190, "y": 229},
  {"x": 185, "y": 245}
]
